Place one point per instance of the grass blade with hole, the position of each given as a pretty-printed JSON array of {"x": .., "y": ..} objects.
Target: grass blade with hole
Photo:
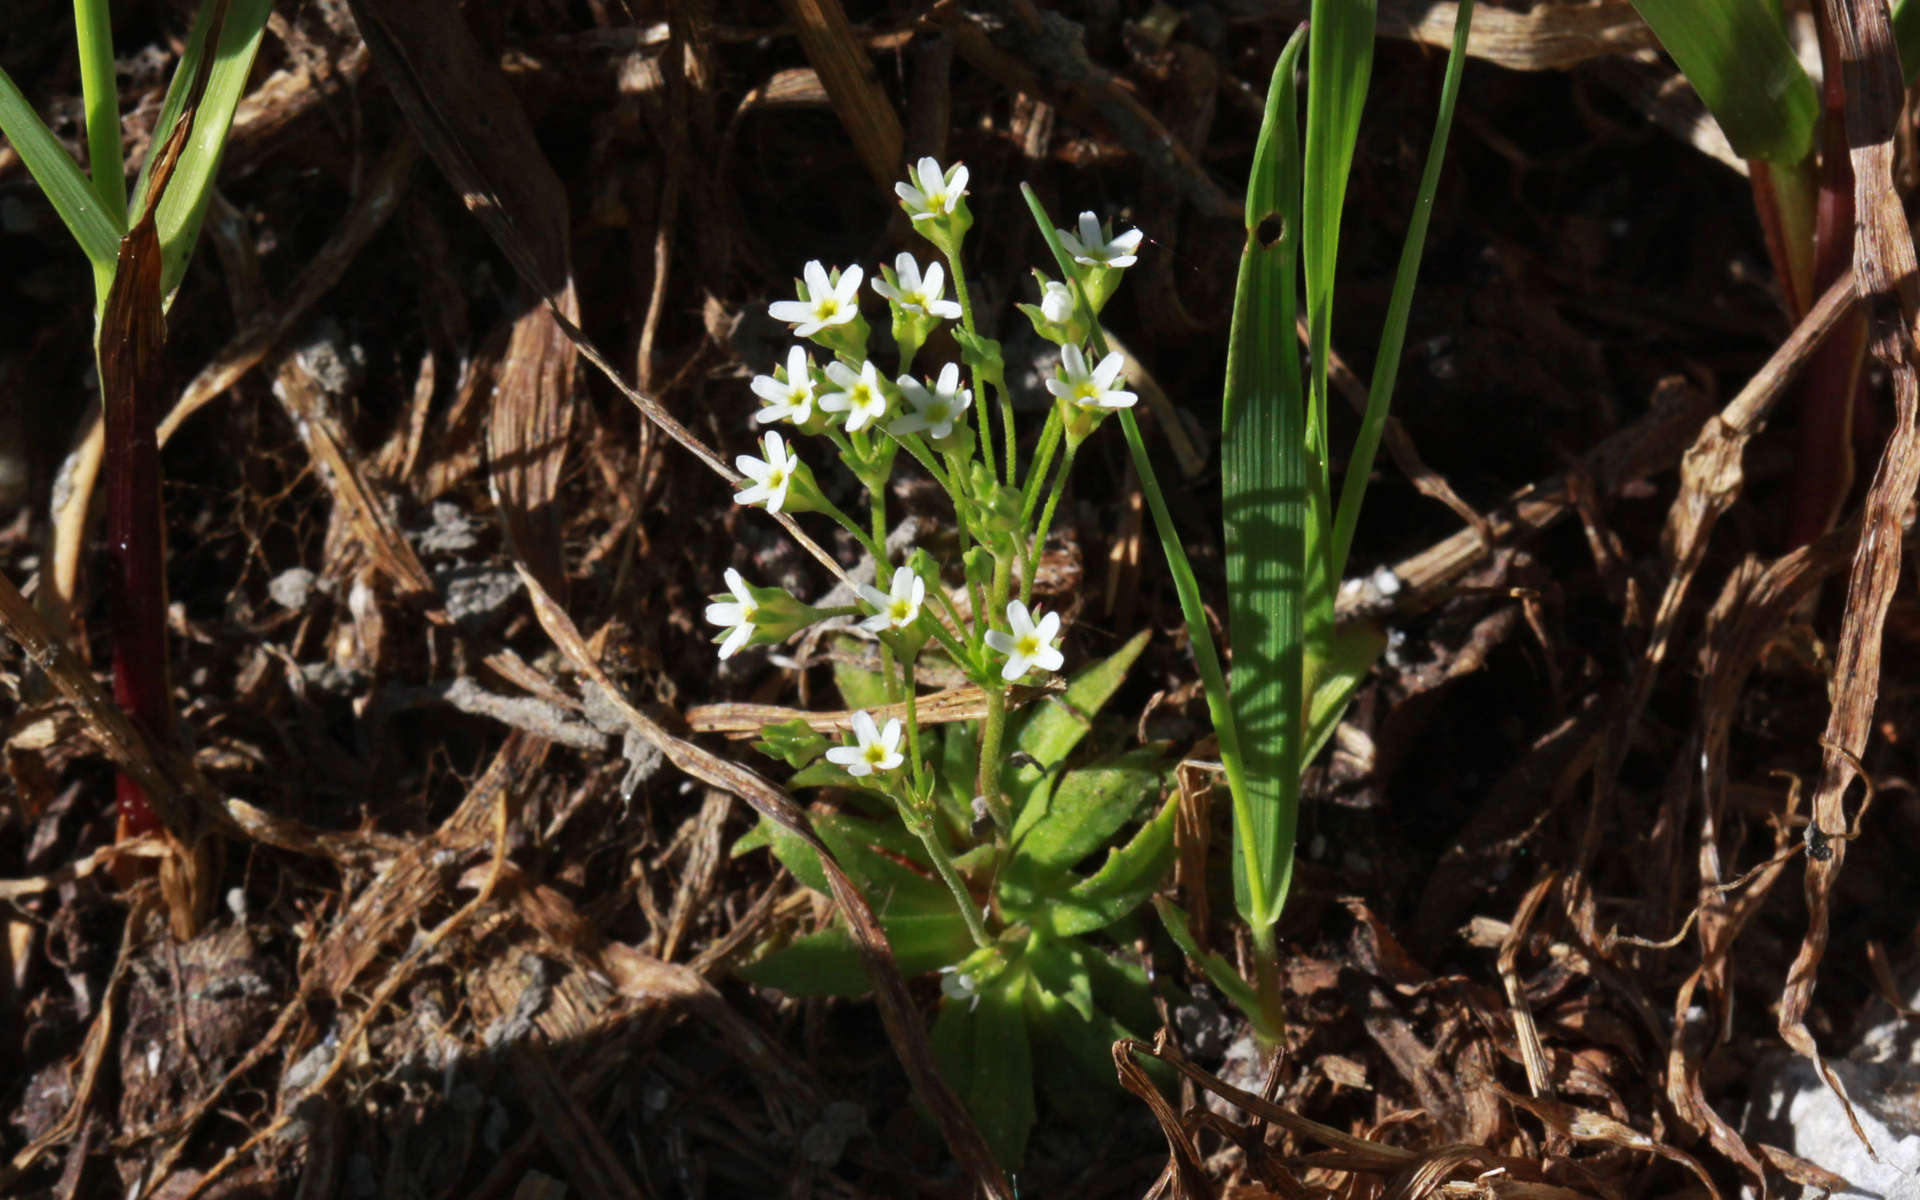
[
  {"x": 1736, "y": 55},
  {"x": 1263, "y": 484}
]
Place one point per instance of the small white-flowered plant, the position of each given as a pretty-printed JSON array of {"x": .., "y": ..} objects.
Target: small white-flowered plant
[
  {"x": 1093, "y": 248},
  {"x": 1094, "y": 388},
  {"x": 898, "y": 607},
  {"x": 771, "y": 476},
  {"x": 1056, "y": 302},
  {"x": 827, "y": 302},
  {"x": 930, "y": 192},
  {"x": 791, "y": 400},
  {"x": 874, "y": 749},
  {"x": 934, "y": 412},
  {"x": 735, "y": 615},
  {"x": 917, "y": 293},
  {"x": 1029, "y": 645},
  {"x": 861, "y": 395}
]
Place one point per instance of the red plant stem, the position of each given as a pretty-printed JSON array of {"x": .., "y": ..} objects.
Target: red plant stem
[
  {"x": 1831, "y": 389},
  {"x": 135, "y": 541}
]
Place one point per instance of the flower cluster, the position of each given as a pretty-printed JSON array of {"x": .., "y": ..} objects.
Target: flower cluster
[{"x": 830, "y": 387}]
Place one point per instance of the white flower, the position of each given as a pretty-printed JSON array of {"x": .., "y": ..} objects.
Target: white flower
[
  {"x": 1029, "y": 645},
  {"x": 918, "y": 295},
  {"x": 1090, "y": 389},
  {"x": 860, "y": 396},
  {"x": 827, "y": 303},
  {"x": 736, "y": 614},
  {"x": 789, "y": 401},
  {"x": 934, "y": 412},
  {"x": 875, "y": 749},
  {"x": 899, "y": 609},
  {"x": 930, "y": 192},
  {"x": 1092, "y": 248},
  {"x": 956, "y": 985},
  {"x": 771, "y": 477},
  {"x": 1056, "y": 302}
]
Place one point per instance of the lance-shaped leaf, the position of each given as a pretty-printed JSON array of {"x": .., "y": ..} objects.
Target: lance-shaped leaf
[{"x": 1736, "y": 55}]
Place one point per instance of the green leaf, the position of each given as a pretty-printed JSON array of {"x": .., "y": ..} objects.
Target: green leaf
[
  {"x": 1076, "y": 1013},
  {"x": 1218, "y": 970},
  {"x": 1393, "y": 332},
  {"x": 1131, "y": 874},
  {"x": 794, "y": 742},
  {"x": 185, "y": 203},
  {"x": 959, "y": 760},
  {"x": 874, "y": 853},
  {"x": 1334, "y": 669},
  {"x": 1737, "y": 56},
  {"x": 1079, "y": 815},
  {"x": 1049, "y": 731},
  {"x": 100, "y": 91},
  {"x": 1263, "y": 482},
  {"x": 828, "y": 963},
  {"x": 67, "y": 188},
  {"x": 859, "y": 687},
  {"x": 985, "y": 1055}
]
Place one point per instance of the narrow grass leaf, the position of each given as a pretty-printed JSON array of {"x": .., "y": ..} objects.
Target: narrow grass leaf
[
  {"x": 1393, "y": 334},
  {"x": 184, "y": 205},
  {"x": 1339, "y": 66},
  {"x": 1263, "y": 483},
  {"x": 1736, "y": 55},
  {"x": 86, "y": 216},
  {"x": 100, "y": 90}
]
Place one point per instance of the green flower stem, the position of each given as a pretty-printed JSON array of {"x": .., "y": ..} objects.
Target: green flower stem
[
  {"x": 965, "y": 299},
  {"x": 847, "y": 523},
  {"x": 962, "y": 657},
  {"x": 913, "y": 444},
  {"x": 994, "y": 728},
  {"x": 1042, "y": 459},
  {"x": 929, "y": 835},
  {"x": 100, "y": 92},
  {"x": 1039, "y": 542}
]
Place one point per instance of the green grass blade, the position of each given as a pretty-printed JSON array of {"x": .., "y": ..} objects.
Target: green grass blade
[
  {"x": 1393, "y": 335},
  {"x": 80, "y": 207},
  {"x": 1263, "y": 486},
  {"x": 1339, "y": 64},
  {"x": 1736, "y": 55},
  {"x": 100, "y": 88},
  {"x": 185, "y": 202}
]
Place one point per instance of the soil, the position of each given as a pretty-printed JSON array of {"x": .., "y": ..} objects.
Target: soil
[{"x": 475, "y": 940}]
